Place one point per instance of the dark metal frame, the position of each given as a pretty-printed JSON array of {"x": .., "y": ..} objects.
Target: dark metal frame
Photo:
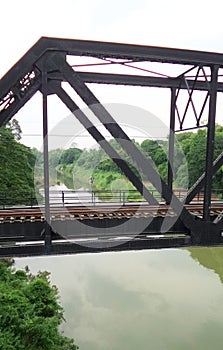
[{"x": 44, "y": 67}]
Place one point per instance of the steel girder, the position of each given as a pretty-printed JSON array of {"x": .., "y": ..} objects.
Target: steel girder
[
  {"x": 137, "y": 80},
  {"x": 109, "y": 50},
  {"x": 19, "y": 94},
  {"x": 199, "y": 229},
  {"x": 26, "y": 77},
  {"x": 15, "y": 84},
  {"x": 14, "y": 81},
  {"x": 66, "y": 247}
]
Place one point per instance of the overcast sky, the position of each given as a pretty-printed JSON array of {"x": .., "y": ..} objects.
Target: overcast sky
[{"x": 189, "y": 24}]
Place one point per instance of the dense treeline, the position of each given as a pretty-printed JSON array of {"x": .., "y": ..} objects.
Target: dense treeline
[
  {"x": 30, "y": 314},
  {"x": 74, "y": 166},
  {"x": 17, "y": 161},
  {"x": 189, "y": 162},
  {"x": 61, "y": 163},
  {"x": 17, "y": 165}
]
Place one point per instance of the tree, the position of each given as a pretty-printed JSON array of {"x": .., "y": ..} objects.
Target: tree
[
  {"x": 30, "y": 313},
  {"x": 15, "y": 128},
  {"x": 157, "y": 152},
  {"x": 189, "y": 161},
  {"x": 17, "y": 170},
  {"x": 195, "y": 150},
  {"x": 150, "y": 147},
  {"x": 70, "y": 155}
]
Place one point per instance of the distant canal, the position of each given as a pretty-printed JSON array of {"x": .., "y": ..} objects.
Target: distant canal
[{"x": 155, "y": 299}]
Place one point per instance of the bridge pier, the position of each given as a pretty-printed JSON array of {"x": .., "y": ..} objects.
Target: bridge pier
[{"x": 206, "y": 233}]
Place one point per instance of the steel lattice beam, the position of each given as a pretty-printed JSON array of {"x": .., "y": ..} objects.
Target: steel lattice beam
[
  {"x": 105, "y": 50},
  {"x": 115, "y": 130},
  {"x": 24, "y": 79},
  {"x": 111, "y": 50}
]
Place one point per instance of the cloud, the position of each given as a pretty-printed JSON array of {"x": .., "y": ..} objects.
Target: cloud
[{"x": 127, "y": 300}]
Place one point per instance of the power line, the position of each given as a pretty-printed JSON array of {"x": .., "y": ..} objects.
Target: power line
[{"x": 78, "y": 136}]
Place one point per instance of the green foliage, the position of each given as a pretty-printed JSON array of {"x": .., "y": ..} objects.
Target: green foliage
[
  {"x": 17, "y": 163},
  {"x": 194, "y": 147},
  {"x": 69, "y": 156},
  {"x": 196, "y": 156},
  {"x": 30, "y": 313},
  {"x": 211, "y": 258},
  {"x": 152, "y": 149},
  {"x": 14, "y": 126},
  {"x": 156, "y": 151},
  {"x": 61, "y": 163},
  {"x": 74, "y": 167}
]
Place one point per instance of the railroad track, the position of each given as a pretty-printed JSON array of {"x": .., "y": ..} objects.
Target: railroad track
[{"x": 99, "y": 212}]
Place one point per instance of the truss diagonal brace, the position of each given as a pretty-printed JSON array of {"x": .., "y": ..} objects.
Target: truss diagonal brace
[
  {"x": 7, "y": 114},
  {"x": 93, "y": 131},
  {"x": 115, "y": 130},
  {"x": 199, "y": 184}
]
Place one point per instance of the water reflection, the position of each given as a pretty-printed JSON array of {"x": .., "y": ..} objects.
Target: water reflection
[
  {"x": 211, "y": 258},
  {"x": 159, "y": 300}
]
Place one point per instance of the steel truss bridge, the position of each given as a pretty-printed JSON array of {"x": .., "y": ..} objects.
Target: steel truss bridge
[{"x": 44, "y": 68}]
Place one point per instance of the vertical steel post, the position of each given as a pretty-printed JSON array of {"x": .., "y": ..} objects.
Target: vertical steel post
[
  {"x": 63, "y": 198},
  {"x": 171, "y": 138},
  {"x": 210, "y": 142},
  {"x": 48, "y": 243}
]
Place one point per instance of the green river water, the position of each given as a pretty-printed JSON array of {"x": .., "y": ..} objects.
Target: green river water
[{"x": 147, "y": 300}]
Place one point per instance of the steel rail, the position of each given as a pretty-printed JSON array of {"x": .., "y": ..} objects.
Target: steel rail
[{"x": 95, "y": 212}]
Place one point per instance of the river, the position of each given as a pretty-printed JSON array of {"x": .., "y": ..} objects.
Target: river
[{"x": 155, "y": 299}]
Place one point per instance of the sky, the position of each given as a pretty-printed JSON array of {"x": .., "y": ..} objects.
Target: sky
[{"x": 180, "y": 24}]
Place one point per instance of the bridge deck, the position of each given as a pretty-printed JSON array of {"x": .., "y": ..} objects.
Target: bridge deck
[
  {"x": 44, "y": 68},
  {"x": 116, "y": 228}
]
